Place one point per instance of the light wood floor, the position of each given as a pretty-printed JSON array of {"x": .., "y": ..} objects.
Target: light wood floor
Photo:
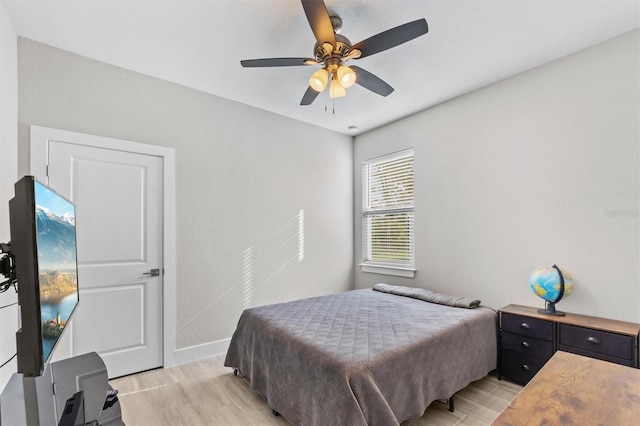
[{"x": 205, "y": 392}]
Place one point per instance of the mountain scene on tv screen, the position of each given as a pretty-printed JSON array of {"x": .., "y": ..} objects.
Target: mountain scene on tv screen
[{"x": 56, "y": 240}]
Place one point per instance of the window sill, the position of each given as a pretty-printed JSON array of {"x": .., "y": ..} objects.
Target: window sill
[{"x": 398, "y": 271}]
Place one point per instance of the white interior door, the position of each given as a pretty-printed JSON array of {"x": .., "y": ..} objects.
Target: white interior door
[{"x": 118, "y": 198}]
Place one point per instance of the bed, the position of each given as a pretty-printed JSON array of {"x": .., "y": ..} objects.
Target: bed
[{"x": 362, "y": 357}]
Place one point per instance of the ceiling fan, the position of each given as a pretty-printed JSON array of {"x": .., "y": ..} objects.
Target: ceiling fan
[{"x": 333, "y": 50}]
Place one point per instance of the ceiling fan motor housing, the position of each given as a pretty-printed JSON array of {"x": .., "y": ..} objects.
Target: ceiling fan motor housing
[{"x": 326, "y": 50}]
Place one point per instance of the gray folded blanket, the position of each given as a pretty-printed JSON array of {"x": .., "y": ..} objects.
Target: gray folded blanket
[{"x": 428, "y": 296}]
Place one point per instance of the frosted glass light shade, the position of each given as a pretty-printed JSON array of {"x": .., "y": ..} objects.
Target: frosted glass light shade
[
  {"x": 336, "y": 90},
  {"x": 318, "y": 80},
  {"x": 346, "y": 76}
]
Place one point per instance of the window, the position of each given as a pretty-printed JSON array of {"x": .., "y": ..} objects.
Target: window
[{"x": 388, "y": 225}]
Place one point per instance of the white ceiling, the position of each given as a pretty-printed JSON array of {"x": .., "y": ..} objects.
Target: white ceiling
[{"x": 199, "y": 44}]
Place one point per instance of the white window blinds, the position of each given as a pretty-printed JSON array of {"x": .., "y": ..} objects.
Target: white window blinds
[{"x": 388, "y": 210}]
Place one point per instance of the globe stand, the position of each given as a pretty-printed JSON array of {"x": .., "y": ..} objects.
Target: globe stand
[{"x": 550, "y": 309}]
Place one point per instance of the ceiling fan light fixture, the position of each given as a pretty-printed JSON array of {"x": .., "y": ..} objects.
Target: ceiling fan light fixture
[
  {"x": 318, "y": 80},
  {"x": 346, "y": 76},
  {"x": 333, "y": 50},
  {"x": 336, "y": 90}
]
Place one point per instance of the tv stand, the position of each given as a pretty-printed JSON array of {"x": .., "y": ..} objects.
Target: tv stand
[{"x": 41, "y": 400}]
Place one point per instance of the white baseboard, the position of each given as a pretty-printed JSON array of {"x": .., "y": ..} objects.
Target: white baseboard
[{"x": 194, "y": 353}]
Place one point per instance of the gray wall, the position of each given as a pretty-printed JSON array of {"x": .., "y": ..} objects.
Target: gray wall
[
  {"x": 8, "y": 175},
  {"x": 255, "y": 191},
  {"x": 538, "y": 169}
]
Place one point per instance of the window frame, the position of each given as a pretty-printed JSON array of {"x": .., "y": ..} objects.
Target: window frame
[{"x": 403, "y": 269}]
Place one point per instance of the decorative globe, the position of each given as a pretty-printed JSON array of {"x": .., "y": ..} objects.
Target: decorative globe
[{"x": 550, "y": 283}]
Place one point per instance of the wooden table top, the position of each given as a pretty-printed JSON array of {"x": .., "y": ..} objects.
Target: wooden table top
[{"x": 576, "y": 390}]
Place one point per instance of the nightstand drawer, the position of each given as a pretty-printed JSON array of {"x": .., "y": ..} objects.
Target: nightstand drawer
[
  {"x": 596, "y": 341},
  {"x": 527, "y": 345},
  {"x": 520, "y": 367},
  {"x": 526, "y": 326}
]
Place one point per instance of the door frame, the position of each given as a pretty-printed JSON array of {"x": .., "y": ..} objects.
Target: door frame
[{"x": 39, "y": 153}]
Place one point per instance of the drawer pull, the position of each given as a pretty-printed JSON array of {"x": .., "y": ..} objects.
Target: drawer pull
[
  {"x": 525, "y": 325},
  {"x": 593, "y": 340},
  {"x": 525, "y": 344},
  {"x": 525, "y": 367}
]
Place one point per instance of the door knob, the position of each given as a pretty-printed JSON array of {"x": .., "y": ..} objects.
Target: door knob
[{"x": 153, "y": 273}]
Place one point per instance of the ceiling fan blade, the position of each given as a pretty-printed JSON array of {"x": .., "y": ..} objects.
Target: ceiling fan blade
[
  {"x": 369, "y": 81},
  {"x": 309, "y": 96},
  {"x": 318, "y": 18},
  {"x": 392, "y": 38},
  {"x": 277, "y": 62}
]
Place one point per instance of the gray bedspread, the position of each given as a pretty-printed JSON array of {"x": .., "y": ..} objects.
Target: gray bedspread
[{"x": 361, "y": 357}]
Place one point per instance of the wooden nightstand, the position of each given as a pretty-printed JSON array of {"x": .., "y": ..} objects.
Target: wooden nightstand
[{"x": 528, "y": 339}]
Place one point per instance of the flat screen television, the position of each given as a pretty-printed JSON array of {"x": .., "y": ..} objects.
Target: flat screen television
[{"x": 43, "y": 245}]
